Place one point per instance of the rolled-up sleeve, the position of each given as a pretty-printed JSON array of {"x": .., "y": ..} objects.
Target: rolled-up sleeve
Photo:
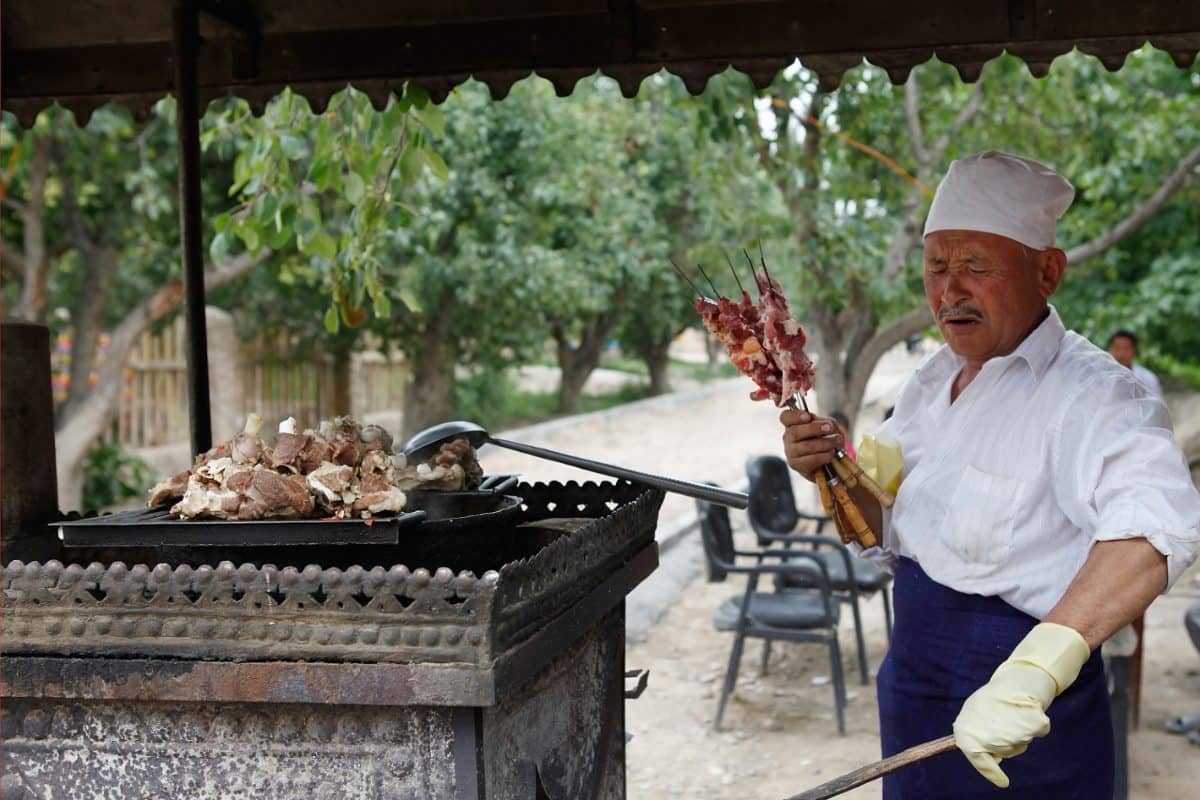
[{"x": 1122, "y": 476}]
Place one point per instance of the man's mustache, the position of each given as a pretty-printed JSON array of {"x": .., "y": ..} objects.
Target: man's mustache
[{"x": 959, "y": 311}]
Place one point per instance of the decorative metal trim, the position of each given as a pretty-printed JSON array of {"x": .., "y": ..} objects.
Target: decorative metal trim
[{"x": 363, "y": 613}]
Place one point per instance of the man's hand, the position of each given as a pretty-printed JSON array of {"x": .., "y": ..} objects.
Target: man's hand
[
  {"x": 1008, "y": 712},
  {"x": 809, "y": 442}
]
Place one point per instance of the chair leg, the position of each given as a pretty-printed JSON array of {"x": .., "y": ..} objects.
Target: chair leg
[
  {"x": 887, "y": 611},
  {"x": 731, "y": 674},
  {"x": 839, "y": 681},
  {"x": 766, "y": 656},
  {"x": 858, "y": 636}
]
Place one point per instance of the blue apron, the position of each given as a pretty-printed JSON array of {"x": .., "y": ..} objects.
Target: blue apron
[{"x": 945, "y": 646}]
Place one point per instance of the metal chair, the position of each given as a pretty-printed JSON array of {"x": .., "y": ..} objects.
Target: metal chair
[
  {"x": 774, "y": 518},
  {"x": 795, "y": 616}
]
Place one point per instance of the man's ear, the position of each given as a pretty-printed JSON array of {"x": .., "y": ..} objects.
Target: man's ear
[{"x": 1050, "y": 265}]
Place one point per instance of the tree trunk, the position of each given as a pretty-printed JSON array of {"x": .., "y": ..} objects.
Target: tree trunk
[
  {"x": 100, "y": 263},
  {"x": 655, "y": 354},
  {"x": 575, "y": 373},
  {"x": 74, "y": 433},
  {"x": 34, "y": 289},
  {"x": 578, "y": 361},
  {"x": 714, "y": 351},
  {"x": 341, "y": 383},
  {"x": 429, "y": 395}
]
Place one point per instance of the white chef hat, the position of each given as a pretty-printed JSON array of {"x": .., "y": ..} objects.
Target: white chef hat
[{"x": 999, "y": 193}]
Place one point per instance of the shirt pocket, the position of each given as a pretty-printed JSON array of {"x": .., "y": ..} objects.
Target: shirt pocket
[{"x": 981, "y": 515}]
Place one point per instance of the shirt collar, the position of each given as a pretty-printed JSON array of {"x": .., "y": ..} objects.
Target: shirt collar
[{"x": 1038, "y": 350}]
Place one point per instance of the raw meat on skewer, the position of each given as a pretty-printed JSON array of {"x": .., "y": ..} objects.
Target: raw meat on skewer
[
  {"x": 784, "y": 339},
  {"x": 766, "y": 343}
]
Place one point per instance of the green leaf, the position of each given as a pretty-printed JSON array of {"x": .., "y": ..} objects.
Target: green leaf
[
  {"x": 293, "y": 147},
  {"x": 437, "y": 164},
  {"x": 323, "y": 245},
  {"x": 279, "y": 237},
  {"x": 251, "y": 237},
  {"x": 409, "y": 298},
  {"x": 410, "y": 164},
  {"x": 383, "y": 306},
  {"x": 355, "y": 188},
  {"x": 305, "y": 226},
  {"x": 417, "y": 95},
  {"x": 218, "y": 251},
  {"x": 432, "y": 118},
  {"x": 331, "y": 320}
]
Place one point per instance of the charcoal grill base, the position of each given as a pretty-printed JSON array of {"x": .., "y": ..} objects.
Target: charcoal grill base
[
  {"x": 560, "y": 735},
  {"x": 361, "y": 678}
]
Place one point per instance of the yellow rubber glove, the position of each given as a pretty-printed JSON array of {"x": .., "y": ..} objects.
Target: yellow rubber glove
[
  {"x": 1008, "y": 712},
  {"x": 883, "y": 462}
]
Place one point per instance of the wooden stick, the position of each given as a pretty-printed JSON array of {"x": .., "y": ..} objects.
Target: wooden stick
[
  {"x": 845, "y": 473},
  {"x": 867, "y": 482},
  {"x": 871, "y": 772},
  {"x": 826, "y": 498},
  {"x": 862, "y": 531}
]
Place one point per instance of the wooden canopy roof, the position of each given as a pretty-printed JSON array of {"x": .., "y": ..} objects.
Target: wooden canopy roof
[{"x": 84, "y": 53}]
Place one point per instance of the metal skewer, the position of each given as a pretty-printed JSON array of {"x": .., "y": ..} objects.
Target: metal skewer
[
  {"x": 735, "y": 275},
  {"x": 684, "y": 275},
  {"x": 753, "y": 270},
  {"x": 716, "y": 291}
]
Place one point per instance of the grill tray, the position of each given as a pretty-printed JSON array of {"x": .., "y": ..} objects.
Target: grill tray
[{"x": 156, "y": 527}]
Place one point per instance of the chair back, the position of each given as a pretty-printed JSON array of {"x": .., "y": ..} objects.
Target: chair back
[
  {"x": 716, "y": 533},
  {"x": 772, "y": 504}
]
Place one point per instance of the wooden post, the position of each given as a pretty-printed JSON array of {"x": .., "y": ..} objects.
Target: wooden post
[{"x": 186, "y": 34}]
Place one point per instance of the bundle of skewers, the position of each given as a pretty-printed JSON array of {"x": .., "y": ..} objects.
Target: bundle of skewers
[{"x": 767, "y": 345}]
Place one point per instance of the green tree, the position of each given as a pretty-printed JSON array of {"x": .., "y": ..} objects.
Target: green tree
[{"x": 94, "y": 209}]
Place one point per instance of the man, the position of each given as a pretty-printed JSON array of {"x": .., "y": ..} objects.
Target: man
[
  {"x": 1123, "y": 346},
  {"x": 1043, "y": 505}
]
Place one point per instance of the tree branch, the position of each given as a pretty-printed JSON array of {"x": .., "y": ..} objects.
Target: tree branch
[
  {"x": 34, "y": 289},
  {"x": 144, "y": 314},
  {"x": 1140, "y": 215},
  {"x": 908, "y": 235},
  {"x": 965, "y": 114},
  {"x": 76, "y": 224},
  {"x": 891, "y": 334},
  {"x": 12, "y": 261},
  {"x": 16, "y": 206},
  {"x": 75, "y": 432},
  {"x": 912, "y": 113}
]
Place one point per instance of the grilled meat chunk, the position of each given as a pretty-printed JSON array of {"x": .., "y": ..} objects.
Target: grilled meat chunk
[{"x": 341, "y": 469}]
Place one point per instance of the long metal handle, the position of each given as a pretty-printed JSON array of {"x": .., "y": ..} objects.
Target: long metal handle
[
  {"x": 870, "y": 772},
  {"x": 701, "y": 491}
]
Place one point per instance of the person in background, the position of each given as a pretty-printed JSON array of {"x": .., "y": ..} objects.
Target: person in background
[
  {"x": 1123, "y": 346},
  {"x": 843, "y": 423}
]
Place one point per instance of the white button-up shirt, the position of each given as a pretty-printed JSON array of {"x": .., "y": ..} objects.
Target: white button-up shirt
[
  {"x": 1048, "y": 450},
  {"x": 1148, "y": 378}
]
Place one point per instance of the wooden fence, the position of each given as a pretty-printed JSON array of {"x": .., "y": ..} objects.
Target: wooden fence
[{"x": 153, "y": 410}]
